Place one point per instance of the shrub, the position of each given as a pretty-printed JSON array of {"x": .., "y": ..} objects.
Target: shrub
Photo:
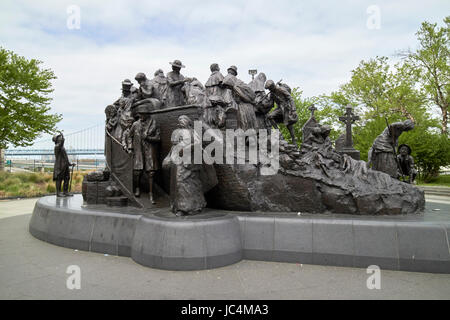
[{"x": 51, "y": 188}]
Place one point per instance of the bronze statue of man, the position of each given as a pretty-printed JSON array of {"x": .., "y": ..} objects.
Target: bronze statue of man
[
  {"x": 161, "y": 84},
  {"x": 213, "y": 85},
  {"x": 124, "y": 111},
  {"x": 263, "y": 101},
  {"x": 142, "y": 139},
  {"x": 61, "y": 170},
  {"x": 175, "y": 95},
  {"x": 214, "y": 113},
  {"x": 244, "y": 97},
  {"x": 285, "y": 112}
]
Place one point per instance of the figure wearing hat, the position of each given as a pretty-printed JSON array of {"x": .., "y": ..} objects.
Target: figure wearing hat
[
  {"x": 227, "y": 92},
  {"x": 242, "y": 97},
  {"x": 213, "y": 113},
  {"x": 61, "y": 171},
  {"x": 175, "y": 95},
  {"x": 142, "y": 139},
  {"x": 124, "y": 111},
  {"x": 160, "y": 83},
  {"x": 406, "y": 163}
]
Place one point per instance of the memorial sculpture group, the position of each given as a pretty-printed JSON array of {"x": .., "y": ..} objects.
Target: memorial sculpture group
[{"x": 143, "y": 171}]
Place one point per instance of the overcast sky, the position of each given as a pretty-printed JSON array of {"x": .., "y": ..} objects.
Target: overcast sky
[{"x": 312, "y": 45}]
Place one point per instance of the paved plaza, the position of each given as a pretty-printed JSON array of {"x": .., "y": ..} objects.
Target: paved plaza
[{"x": 33, "y": 269}]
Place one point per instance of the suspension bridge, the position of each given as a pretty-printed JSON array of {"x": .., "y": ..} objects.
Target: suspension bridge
[{"x": 85, "y": 142}]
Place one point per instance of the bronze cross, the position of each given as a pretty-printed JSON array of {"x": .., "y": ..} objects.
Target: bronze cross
[{"x": 349, "y": 118}]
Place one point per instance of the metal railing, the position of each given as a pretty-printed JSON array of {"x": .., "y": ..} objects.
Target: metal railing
[
  {"x": 33, "y": 165},
  {"x": 50, "y": 152}
]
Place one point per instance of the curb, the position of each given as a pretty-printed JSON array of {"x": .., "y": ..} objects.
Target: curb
[{"x": 437, "y": 191}]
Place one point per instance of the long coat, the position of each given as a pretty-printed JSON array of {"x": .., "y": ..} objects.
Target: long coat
[
  {"x": 175, "y": 95},
  {"x": 189, "y": 181},
  {"x": 285, "y": 105},
  {"x": 143, "y": 137},
  {"x": 244, "y": 97},
  {"x": 61, "y": 169},
  {"x": 381, "y": 155}
]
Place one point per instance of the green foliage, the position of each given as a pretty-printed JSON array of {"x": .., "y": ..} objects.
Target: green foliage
[
  {"x": 24, "y": 100},
  {"x": 383, "y": 93},
  {"x": 431, "y": 151},
  {"x": 431, "y": 61},
  {"x": 30, "y": 184},
  {"x": 376, "y": 89},
  {"x": 441, "y": 181},
  {"x": 51, "y": 188},
  {"x": 326, "y": 113}
]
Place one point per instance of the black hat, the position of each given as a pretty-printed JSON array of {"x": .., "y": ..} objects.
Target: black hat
[
  {"x": 177, "y": 63},
  {"x": 140, "y": 76},
  {"x": 233, "y": 68},
  {"x": 56, "y": 135},
  {"x": 127, "y": 84},
  {"x": 404, "y": 145},
  {"x": 144, "y": 108}
]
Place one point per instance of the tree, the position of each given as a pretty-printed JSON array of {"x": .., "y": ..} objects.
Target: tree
[
  {"x": 379, "y": 92},
  {"x": 432, "y": 60},
  {"x": 24, "y": 100},
  {"x": 326, "y": 113},
  {"x": 430, "y": 151},
  {"x": 382, "y": 92}
]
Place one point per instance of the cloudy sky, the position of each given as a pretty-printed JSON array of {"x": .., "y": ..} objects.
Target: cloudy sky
[{"x": 309, "y": 44}]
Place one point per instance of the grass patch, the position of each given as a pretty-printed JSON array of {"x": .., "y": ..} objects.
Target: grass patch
[
  {"x": 440, "y": 181},
  {"x": 34, "y": 184}
]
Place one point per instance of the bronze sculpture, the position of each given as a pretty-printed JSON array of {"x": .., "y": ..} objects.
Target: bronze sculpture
[
  {"x": 244, "y": 97},
  {"x": 213, "y": 85},
  {"x": 382, "y": 155},
  {"x": 111, "y": 118},
  {"x": 141, "y": 142},
  {"x": 61, "y": 170},
  {"x": 406, "y": 163},
  {"x": 347, "y": 146},
  {"x": 161, "y": 85},
  {"x": 188, "y": 181},
  {"x": 124, "y": 109},
  {"x": 269, "y": 190},
  {"x": 345, "y": 184},
  {"x": 195, "y": 92},
  {"x": 148, "y": 93},
  {"x": 214, "y": 113},
  {"x": 175, "y": 95},
  {"x": 286, "y": 111},
  {"x": 263, "y": 101}
]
